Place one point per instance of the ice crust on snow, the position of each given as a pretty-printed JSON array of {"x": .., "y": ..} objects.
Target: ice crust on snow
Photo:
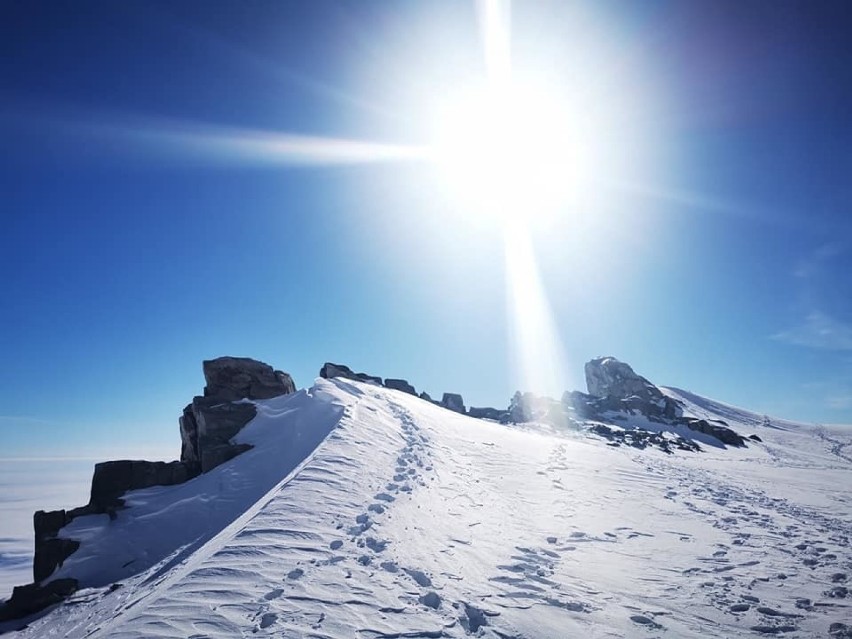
[{"x": 363, "y": 511}]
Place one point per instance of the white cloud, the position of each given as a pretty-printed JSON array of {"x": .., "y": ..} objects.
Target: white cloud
[{"x": 821, "y": 331}]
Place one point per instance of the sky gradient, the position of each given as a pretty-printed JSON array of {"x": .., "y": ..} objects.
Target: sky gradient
[{"x": 148, "y": 224}]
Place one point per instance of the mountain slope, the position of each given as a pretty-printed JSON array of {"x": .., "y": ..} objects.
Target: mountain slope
[{"x": 409, "y": 520}]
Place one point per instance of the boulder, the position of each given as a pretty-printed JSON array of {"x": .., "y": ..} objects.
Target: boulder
[
  {"x": 114, "y": 478},
  {"x": 330, "y": 371},
  {"x": 232, "y": 378},
  {"x": 425, "y": 396},
  {"x": 400, "y": 385},
  {"x": 453, "y": 402}
]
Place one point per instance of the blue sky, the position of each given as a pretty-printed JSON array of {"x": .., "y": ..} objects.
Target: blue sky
[{"x": 144, "y": 231}]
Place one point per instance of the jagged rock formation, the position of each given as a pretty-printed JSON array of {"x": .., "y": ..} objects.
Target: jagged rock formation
[
  {"x": 608, "y": 377},
  {"x": 329, "y": 371},
  {"x": 207, "y": 426},
  {"x": 400, "y": 385},
  {"x": 453, "y": 402}
]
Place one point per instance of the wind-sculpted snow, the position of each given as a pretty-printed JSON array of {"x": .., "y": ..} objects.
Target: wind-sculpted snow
[
  {"x": 412, "y": 521},
  {"x": 163, "y": 519}
]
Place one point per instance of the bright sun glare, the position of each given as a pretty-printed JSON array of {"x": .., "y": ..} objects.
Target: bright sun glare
[{"x": 507, "y": 152}]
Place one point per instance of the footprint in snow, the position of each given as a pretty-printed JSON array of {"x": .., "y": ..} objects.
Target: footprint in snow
[
  {"x": 296, "y": 573},
  {"x": 420, "y": 577},
  {"x": 273, "y": 594},
  {"x": 268, "y": 619},
  {"x": 385, "y": 497},
  {"x": 642, "y": 620}
]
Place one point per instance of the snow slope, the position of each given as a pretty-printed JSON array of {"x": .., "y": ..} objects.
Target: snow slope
[{"x": 408, "y": 520}]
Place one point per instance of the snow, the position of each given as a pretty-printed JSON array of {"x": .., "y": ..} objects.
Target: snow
[{"x": 367, "y": 512}]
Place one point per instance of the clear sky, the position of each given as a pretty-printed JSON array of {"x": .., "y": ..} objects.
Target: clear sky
[{"x": 183, "y": 180}]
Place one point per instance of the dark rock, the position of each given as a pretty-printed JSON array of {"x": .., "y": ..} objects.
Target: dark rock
[
  {"x": 400, "y": 385},
  {"x": 424, "y": 395},
  {"x": 722, "y": 433},
  {"x": 31, "y": 598},
  {"x": 114, "y": 478},
  {"x": 232, "y": 378},
  {"x": 488, "y": 413},
  {"x": 453, "y": 402},
  {"x": 50, "y": 554},
  {"x": 330, "y": 370},
  {"x": 839, "y": 630},
  {"x": 189, "y": 453},
  {"x": 216, "y": 422},
  {"x": 755, "y": 438}
]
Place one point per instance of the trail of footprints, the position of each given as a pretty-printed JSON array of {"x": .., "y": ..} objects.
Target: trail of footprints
[
  {"x": 755, "y": 521},
  {"x": 412, "y": 464}
]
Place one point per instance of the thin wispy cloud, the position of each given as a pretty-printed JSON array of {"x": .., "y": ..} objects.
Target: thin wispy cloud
[{"x": 820, "y": 331}]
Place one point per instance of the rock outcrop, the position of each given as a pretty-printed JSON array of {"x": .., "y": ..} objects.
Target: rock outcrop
[
  {"x": 232, "y": 378},
  {"x": 453, "y": 402},
  {"x": 488, "y": 413},
  {"x": 608, "y": 377},
  {"x": 330, "y": 371},
  {"x": 719, "y": 430},
  {"x": 207, "y": 427},
  {"x": 400, "y": 385},
  {"x": 114, "y": 478}
]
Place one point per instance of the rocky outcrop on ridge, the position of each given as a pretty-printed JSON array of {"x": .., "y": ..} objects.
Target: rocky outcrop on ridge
[
  {"x": 400, "y": 385},
  {"x": 207, "y": 426},
  {"x": 453, "y": 402},
  {"x": 330, "y": 371}
]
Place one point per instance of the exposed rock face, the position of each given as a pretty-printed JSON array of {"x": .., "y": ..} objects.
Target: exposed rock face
[
  {"x": 231, "y": 378},
  {"x": 209, "y": 422},
  {"x": 114, "y": 478},
  {"x": 608, "y": 377},
  {"x": 206, "y": 428},
  {"x": 454, "y": 402},
  {"x": 425, "y": 396},
  {"x": 50, "y": 550},
  {"x": 400, "y": 385},
  {"x": 329, "y": 371}
]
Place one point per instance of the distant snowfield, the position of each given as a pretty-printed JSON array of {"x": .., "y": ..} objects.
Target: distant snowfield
[{"x": 366, "y": 512}]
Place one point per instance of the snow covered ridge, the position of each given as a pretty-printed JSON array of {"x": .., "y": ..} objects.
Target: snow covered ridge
[{"x": 355, "y": 510}]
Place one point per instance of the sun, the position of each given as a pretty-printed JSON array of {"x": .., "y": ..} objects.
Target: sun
[{"x": 513, "y": 152}]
